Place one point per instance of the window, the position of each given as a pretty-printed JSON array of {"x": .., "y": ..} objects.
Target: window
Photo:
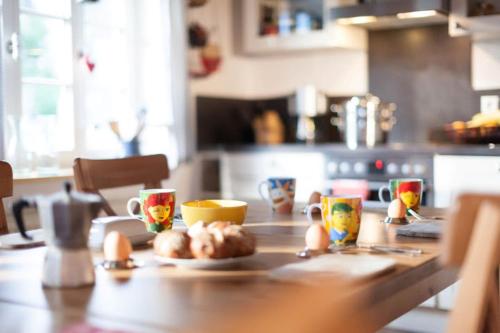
[
  {"x": 82, "y": 72},
  {"x": 39, "y": 114}
]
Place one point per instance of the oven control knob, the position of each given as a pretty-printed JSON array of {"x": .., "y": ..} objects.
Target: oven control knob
[
  {"x": 392, "y": 168},
  {"x": 419, "y": 169},
  {"x": 345, "y": 167},
  {"x": 405, "y": 169},
  {"x": 359, "y": 168},
  {"x": 332, "y": 167}
]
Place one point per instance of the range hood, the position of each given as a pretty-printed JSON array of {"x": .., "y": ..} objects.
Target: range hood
[{"x": 385, "y": 14}]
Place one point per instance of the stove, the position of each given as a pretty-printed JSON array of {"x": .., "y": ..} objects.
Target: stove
[{"x": 376, "y": 167}]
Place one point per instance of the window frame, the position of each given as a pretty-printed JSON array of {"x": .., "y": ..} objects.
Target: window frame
[{"x": 11, "y": 71}]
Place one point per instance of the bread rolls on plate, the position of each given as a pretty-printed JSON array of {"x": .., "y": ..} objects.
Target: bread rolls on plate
[{"x": 218, "y": 240}]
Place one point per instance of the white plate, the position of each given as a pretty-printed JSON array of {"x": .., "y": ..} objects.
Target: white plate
[{"x": 204, "y": 263}]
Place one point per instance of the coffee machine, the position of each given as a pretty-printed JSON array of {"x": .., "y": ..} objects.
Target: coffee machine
[
  {"x": 305, "y": 104},
  {"x": 66, "y": 219}
]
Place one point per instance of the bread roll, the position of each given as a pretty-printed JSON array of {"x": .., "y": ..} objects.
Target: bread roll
[
  {"x": 196, "y": 228},
  {"x": 172, "y": 244},
  {"x": 241, "y": 242},
  {"x": 204, "y": 246}
]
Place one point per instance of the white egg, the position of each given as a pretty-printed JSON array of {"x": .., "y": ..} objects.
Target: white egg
[{"x": 396, "y": 209}]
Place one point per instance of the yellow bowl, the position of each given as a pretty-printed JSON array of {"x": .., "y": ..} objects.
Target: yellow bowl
[{"x": 213, "y": 210}]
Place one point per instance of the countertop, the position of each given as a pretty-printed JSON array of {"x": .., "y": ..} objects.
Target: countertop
[{"x": 424, "y": 149}]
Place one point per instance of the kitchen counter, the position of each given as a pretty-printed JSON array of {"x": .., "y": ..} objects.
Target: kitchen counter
[{"x": 472, "y": 150}]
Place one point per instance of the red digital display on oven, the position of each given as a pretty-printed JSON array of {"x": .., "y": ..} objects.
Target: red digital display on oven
[{"x": 377, "y": 166}]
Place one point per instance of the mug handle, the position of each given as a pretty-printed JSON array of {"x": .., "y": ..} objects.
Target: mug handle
[
  {"x": 261, "y": 193},
  {"x": 309, "y": 210},
  {"x": 381, "y": 193},
  {"x": 130, "y": 209}
]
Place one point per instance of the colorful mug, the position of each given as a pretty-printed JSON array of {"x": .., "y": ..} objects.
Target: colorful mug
[
  {"x": 157, "y": 208},
  {"x": 341, "y": 217},
  {"x": 281, "y": 194},
  {"x": 409, "y": 190}
]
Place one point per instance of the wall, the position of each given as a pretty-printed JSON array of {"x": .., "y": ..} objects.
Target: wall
[
  {"x": 336, "y": 72},
  {"x": 427, "y": 74}
]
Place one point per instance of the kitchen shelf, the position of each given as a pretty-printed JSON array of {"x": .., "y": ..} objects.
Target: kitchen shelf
[
  {"x": 479, "y": 27},
  {"x": 328, "y": 36}
]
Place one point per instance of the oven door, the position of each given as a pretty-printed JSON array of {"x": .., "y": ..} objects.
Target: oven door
[{"x": 368, "y": 190}]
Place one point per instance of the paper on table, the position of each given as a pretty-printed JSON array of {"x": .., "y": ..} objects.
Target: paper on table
[
  {"x": 328, "y": 265},
  {"x": 16, "y": 241},
  {"x": 422, "y": 228}
]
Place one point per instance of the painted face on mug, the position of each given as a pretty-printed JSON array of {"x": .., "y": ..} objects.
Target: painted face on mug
[
  {"x": 410, "y": 199},
  {"x": 342, "y": 216},
  {"x": 157, "y": 207},
  {"x": 159, "y": 213},
  {"x": 409, "y": 193}
]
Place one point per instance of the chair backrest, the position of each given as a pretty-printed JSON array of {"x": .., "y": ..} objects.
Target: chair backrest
[
  {"x": 472, "y": 241},
  {"x": 94, "y": 175},
  {"x": 6, "y": 184}
]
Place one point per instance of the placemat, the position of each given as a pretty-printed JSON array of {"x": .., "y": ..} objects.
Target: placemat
[{"x": 325, "y": 266}]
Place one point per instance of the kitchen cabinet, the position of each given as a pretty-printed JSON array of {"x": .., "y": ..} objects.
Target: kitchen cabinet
[
  {"x": 485, "y": 64},
  {"x": 241, "y": 172},
  {"x": 456, "y": 174},
  {"x": 273, "y": 26},
  {"x": 467, "y": 19}
]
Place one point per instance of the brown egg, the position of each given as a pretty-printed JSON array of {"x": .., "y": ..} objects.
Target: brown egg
[
  {"x": 396, "y": 209},
  {"x": 317, "y": 237},
  {"x": 116, "y": 247},
  {"x": 315, "y": 198}
]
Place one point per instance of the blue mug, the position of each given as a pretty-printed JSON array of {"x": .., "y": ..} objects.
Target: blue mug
[{"x": 280, "y": 194}]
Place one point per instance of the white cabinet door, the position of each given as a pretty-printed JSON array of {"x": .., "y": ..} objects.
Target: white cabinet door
[
  {"x": 241, "y": 173},
  {"x": 456, "y": 174}
]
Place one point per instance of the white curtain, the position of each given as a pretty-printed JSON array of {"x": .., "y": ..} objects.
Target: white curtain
[
  {"x": 177, "y": 46},
  {"x": 163, "y": 79}
]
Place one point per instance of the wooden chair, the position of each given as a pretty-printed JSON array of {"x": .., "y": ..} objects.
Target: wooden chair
[
  {"x": 6, "y": 184},
  {"x": 94, "y": 175},
  {"x": 472, "y": 241}
]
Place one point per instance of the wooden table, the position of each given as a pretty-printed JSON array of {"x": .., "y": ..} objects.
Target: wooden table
[{"x": 161, "y": 298}]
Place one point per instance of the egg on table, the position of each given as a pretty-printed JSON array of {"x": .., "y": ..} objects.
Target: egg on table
[
  {"x": 116, "y": 247},
  {"x": 317, "y": 237},
  {"x": 315, "y": 198},
  {"x": 396, "y": 209}
]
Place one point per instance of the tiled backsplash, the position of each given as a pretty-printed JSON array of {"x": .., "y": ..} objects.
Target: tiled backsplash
[
  {"x": 229, "y": 121},
  {"x": 427, "y": 74}
]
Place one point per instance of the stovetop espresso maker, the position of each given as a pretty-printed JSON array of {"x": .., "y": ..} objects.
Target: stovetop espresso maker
[{"x": 66, "y": 219}]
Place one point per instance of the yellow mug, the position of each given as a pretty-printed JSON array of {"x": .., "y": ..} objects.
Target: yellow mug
[{"x": 341, "y": 217}]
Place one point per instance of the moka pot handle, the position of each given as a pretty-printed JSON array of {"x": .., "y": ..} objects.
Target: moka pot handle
[{"x": 17, "y": 209}]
